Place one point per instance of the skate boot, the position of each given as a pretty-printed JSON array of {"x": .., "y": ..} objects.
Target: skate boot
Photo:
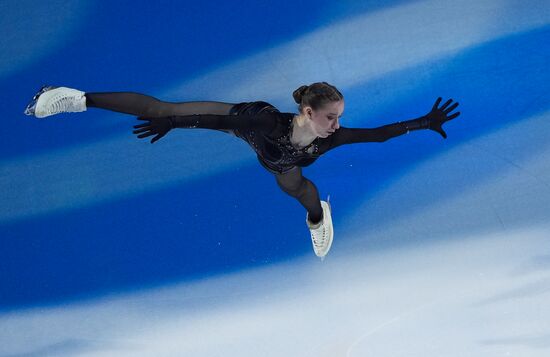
[
  {"x": 54, "y": 100},
  {"x": 322, "y": 232}
]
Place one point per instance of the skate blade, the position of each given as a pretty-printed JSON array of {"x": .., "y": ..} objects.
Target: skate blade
[{"x": 31, "y": 107}]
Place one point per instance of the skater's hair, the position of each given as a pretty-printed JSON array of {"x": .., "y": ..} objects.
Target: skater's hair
[{"x": 316, "y": 95}]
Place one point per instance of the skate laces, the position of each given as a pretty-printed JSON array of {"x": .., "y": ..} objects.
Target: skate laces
[
  {"x": 63, "y": 103},
  {"x": 319, "y": 243},
  {"x": 319, "y": 238}
]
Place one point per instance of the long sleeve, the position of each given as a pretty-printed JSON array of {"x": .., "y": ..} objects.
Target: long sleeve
[
  {"x": 357, "y": 135},
  {"x": 264, "y": 121}
]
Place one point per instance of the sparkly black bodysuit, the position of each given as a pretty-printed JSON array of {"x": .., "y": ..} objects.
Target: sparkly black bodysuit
[
  {"x": 268, "y": 132},
  {"x": 272, "y": 142}
]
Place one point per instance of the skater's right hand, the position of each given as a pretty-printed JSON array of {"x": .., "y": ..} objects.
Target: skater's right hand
[{"x": 154, "y": 126}]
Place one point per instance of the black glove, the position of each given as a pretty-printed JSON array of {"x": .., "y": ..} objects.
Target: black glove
[
  {"x": 154, "y": 126},
  {"x": 439, "y": 116},
  {"x": 435, "y": 118}
]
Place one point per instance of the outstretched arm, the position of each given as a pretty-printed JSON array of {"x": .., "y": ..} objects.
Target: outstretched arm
[
  {"x": 161, "y": 126},
  {"x": 433, "y": 121}
]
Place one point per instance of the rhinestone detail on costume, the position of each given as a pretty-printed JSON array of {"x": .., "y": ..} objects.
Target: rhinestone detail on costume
[{"x": 294, "y": 153}]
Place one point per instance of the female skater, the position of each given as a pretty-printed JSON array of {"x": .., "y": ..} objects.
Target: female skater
[{"x": 283, "y": 142}]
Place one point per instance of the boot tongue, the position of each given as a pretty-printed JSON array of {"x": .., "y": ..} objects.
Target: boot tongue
[{"x": 314, "y": 225}]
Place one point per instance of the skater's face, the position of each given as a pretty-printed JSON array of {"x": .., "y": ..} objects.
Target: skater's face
[{"x": 325, "y": 120}]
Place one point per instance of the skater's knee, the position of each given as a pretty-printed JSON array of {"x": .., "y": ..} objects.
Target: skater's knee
[
  {"x": 292, "y": 187},
  {"x": 157, "y": 109}
]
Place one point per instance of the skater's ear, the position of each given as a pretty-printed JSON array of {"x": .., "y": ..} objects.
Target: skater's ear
[{"x": 308, "y": 111}]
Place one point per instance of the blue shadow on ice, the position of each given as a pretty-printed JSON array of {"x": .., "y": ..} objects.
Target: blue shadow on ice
[{"x": 238, "y": 220}]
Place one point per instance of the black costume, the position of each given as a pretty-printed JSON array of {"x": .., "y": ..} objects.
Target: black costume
[
  {"x": 268, "y": 132},
  {"x": 264, "y": 128}
]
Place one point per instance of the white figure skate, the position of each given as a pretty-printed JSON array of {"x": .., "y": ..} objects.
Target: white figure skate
[
  {"x": 322, "y": 233},
  {"x": 54, "y": 100}
]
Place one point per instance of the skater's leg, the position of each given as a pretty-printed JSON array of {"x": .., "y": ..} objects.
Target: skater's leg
[
  {"x": 54, "y": 100},
  {"x": 147, "y": 106},
  {"x": 296, "y": 185}
]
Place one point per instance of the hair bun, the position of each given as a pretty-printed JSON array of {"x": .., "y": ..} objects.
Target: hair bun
[
  {"x": 299, "y": 93},
  {"x": 316, "y": 95}
]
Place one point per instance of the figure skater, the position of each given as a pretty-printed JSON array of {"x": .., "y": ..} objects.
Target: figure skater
[{"x": 283, "y": 142}]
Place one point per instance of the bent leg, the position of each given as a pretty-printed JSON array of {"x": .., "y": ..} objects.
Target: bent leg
[
  {"x": 299, "y": 187},
  {"x": 147, "y": 106}
]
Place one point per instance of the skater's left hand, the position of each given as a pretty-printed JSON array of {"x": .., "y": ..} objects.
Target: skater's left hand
[
  {"x": 438, "y": 116},
  {"x": 154, "y": 126}
]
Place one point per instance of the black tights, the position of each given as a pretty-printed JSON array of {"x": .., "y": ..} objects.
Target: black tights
[
  {"x": 299, "y": 187},
  {"x": 292, "y": 182},
  {"x": 147, "y": 106}
]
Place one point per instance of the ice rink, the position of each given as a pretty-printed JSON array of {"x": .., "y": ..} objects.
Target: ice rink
[{"x": 111, "y": 246}]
